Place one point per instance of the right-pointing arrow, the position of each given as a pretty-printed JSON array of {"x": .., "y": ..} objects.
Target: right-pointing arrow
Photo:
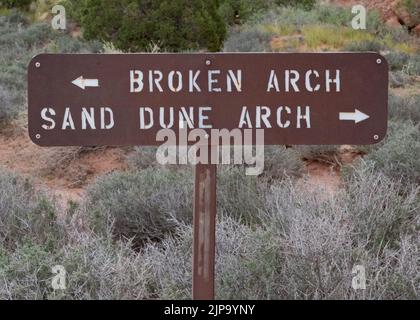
[{"x": 356, "y": 116}]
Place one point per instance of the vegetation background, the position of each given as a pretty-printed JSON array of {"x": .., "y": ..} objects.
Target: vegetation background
[{"x": 121, "y": 224}]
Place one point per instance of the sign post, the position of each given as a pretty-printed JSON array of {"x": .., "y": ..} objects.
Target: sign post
[
  {"x": 129, "y": 99},
  {"x": 204, "y": 231}
]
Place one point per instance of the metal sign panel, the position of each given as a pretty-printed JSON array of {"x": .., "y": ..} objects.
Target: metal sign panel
[{"x": 125, "y": 99}]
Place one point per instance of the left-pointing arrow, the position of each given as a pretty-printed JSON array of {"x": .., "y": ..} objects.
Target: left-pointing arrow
[
  {"x": 356, "y": 116},
  {"x": 83, "y": 83}
]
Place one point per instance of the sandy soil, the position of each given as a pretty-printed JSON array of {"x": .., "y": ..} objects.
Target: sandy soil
[
  {"x": 63, "y": 171},
  {"x": 326, "y": 175}
]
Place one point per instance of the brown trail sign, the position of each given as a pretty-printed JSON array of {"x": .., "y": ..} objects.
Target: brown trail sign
[{"x": 126, "y": 99}]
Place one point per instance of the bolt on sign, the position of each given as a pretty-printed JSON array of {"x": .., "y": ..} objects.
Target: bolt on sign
[{"x": 125, "y": 99}]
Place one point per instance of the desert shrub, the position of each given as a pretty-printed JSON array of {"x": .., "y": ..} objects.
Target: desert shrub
[
  {"x": 40, "y": 10},
  {"x": 381, "y": 209},
  {"x": 242, "y": 264},
  {"x": 25, "y": 272},
  {"x": 405, "y": 108},
  {"x": 7, "y": 112},
  {"x": 291, "y": 18},
  {"x": 281, "y": 162},
  {"x": 99, "y": 269},
  {"x": 398, "y": 79},
  {"x": 308, "y": 243},
  {"x": 143, "y": 205},
  {"x": 333, "y": 15},
  {"x": 324, "y": 237},
  {"x": 304, "y": 247},
  {"x": 170, "y": 265},
  {"x": 397, "y": 60},
  {"x": 65, "y": 44},
  {"x": 333, "y": 36},
  {"x": 397, "y": 273},
  {"x": 19, "y": 42},
  {"x": 25, "y": 213},
  {"x": 239, "y": 11},
  {"x": 142, "y": 158},
  {"x": 15, "y": 3},
  {"x": 247, "y": 262},
  {"x": 95, "y": 269},
  {"x": 367, "y": 45},
  {"x": 397, "y": 156},
  {"x": 248, "y": 40},
  {"x": 314, "y": 241},
  {"x": 304, "y": 4},
  {"x": 12, "y": 16},
  {"x": 36, "y": 34},
  {"x": 238, "y": 195},
  {"x": 133, "y": 25},
  {"x": 324, "y": 14},
  {"x": 342, "y": 16},
  {"x": 408, "y": 63},
  {"x": 413, "y": 65}
]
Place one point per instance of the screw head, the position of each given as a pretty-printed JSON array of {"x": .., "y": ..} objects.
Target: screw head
[
  {"x": 208, "y": 62},
  {"x": 37, "y": 64},
  {"x": 378, "y": 61}
]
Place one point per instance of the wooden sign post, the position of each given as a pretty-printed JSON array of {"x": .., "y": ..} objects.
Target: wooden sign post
[{"x": 204, "y": 231}]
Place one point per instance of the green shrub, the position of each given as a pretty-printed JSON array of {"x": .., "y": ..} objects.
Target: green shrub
[
  {"x": 290, "y": 19},
  {"x": 99, "y": 269},
  {"x": 95, "y": 269},
  {"x": 239, "y": 11},
  {"x": 7, "y": 112},
  {"x": 15, "y": 3},
  {"x": 281, "y": 163},
  {"x": 25, "y": 213},
  {"x": 304, "y": 248},
  {"x": 25, "y": 272},
  {"x": 248, "y": 40},
  {"x": 305, "y": 4},
  {"x": 238, "y": 195},
  {"x": 367, "y": 45},
  {"x": 399, "y": 79},
  {"x": 19, "y": 42},
  {"x": 323, "y": 237},
  {"x": 409, "y": 64},
  {"x": 333, "y": 15},
  {"x": 170, "y": 266},
  {"x": 65, "y": 44},
  {"x": 132, "y": 25},
  {"x": 397, "y": 156},
  {"x": 308, "y": 243},
  {"x": 405, "y": 108},
  {"x": 142, "y": 158},
  {"x": 413, "y": 65},
  {"x": 397, "y": 60},
  {"x": 381, "y": 208},
  {"x": 142, "y": 205}
]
